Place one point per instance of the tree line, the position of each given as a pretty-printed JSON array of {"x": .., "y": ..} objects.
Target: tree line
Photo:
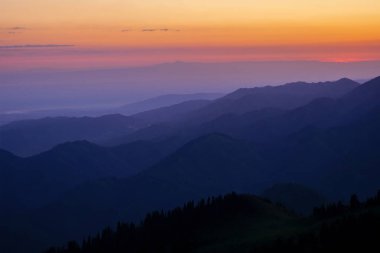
[{"x": 340, "y": 227}]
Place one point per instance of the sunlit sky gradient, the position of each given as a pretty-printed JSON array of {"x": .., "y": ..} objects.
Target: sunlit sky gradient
[
  {"x": 99, "y": 33},
  {"x": 59, "y": 53}
]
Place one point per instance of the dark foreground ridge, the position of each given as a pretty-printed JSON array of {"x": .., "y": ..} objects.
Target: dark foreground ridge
[{"x": 243, "y": 223}]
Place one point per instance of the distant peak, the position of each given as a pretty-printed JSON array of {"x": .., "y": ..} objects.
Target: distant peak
[
  {"x": 368, "y": 92},
  {"x": 343, "y": 80},
  {"x": 371, "y": 83},
  {"x": 376, "y": 79},
  {"x": 346, "y": 80}
]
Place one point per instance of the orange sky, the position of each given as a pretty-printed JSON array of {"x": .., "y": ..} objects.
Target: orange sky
[{"x": 284, "y": 29}]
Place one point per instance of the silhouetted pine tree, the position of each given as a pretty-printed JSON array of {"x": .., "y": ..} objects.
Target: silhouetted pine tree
[{"x": 345, "y": 228}]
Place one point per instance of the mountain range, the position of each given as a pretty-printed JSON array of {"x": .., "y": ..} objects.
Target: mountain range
[
  {"x": 30, "y": 137},
  {"x": 327, "y": 140}
]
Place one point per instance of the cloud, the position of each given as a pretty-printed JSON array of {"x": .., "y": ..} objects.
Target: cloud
[
  {"x": 148, "y": 30},
  {"x": 159, "y": 30},
  {"x": 163, "y": 29},
  {"x": 35, "y": 46},
  {"x": 17, "y": 28},
  {"x": 14, "y": 30}
]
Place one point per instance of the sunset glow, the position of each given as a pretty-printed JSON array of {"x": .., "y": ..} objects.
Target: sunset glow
[{"x": 341, "y": 30}]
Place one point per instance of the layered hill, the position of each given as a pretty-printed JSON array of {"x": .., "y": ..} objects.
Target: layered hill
[
  {"x": 34, "y": 181},
  {"x": 288, "y": 96},
  {"x": 330, "y": 145},
  {"x": 29, "y": 137}
]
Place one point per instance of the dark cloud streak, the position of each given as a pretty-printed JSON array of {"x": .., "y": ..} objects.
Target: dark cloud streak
[
  {"x": 148, "y": 30},
  {"x": 35, "y": 46},
  {"x": 17, "y": 28},
  {"x": 159, "y": 30}
]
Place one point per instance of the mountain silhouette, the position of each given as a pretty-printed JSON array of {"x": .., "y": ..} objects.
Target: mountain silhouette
[
  {"x": 36, "y": 180},
  {"x": 30, "y": 137},
  {"x": 172, "y": 113},
  {"x": 330, "y": 144},
  {"x": 241, "y": 109},
  {"x": 164, "y": 101},
  {"x": 288, "y": 96}
]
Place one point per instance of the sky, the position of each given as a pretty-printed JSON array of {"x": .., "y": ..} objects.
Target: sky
[
  {"x": 63, "y": 53},
  {"x": 110, "y": 33}
]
